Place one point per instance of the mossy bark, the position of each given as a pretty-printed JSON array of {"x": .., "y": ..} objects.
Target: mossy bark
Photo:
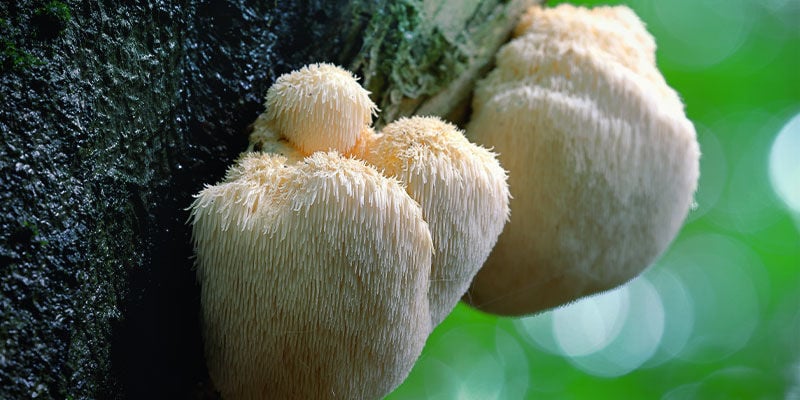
[{"x": 114, "y": 113}]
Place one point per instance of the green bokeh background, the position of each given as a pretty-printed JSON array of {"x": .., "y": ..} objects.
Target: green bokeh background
[{"x": 718, "y": 316}]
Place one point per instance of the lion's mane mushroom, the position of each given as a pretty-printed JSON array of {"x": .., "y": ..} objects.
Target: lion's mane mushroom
[
  {"x": 318, "y": 98},
  {"x": 602, "y": 161},
  {"x": 314, "y": 270},
  {"x": 320, "y": 276},
  {"x": 461, "y": 187},
  {"x": 463, "y": 193}
]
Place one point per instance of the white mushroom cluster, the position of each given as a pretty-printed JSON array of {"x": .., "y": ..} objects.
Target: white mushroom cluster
[
  {"x": 603, "y": 163},
  {"x": 330, "y": 251},
  {"x": 326, "y": 257},
  {"x": 463, "y": 193}
]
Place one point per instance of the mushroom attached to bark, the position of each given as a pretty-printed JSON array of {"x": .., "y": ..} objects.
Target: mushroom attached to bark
[
  {"x": 602, "y": 161},
  {"x": 463, "y": 193},
  {"x": 461, "y": 187},
  {"x": 314, "y": 279},
  {"x": 314, "y": 270}
]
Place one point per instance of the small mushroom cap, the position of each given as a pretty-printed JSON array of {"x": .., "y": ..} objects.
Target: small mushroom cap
[
  {"x": 463, "y": 193},
  {"x": 319, "y": 107},
  {"x": 603, "y": 165},
  {"x": 314, "y": 278}
]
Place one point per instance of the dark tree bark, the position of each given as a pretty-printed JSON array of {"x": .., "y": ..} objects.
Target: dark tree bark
[{"x": 114, "y": 113}]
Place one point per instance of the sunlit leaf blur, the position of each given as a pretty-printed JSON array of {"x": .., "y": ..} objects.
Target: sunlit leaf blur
[{"x": 718, "y": 316}]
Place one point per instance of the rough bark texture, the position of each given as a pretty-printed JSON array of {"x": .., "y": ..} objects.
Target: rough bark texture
[
  {"x": 114, "y": 113},
  {"x": 423, "y": 57}
]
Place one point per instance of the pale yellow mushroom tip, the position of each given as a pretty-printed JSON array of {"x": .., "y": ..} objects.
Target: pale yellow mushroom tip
[
  {"x": 438, "y": 137},
  {"x": 319, "y": 107},
  {"x": 420, "y": 124},
  {"x": 566, "y": 15},
  {"x": 428, "y": 132}
]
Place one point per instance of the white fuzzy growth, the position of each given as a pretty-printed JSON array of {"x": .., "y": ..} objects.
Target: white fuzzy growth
[
  {"x": 319, "y": 107},
  {"x": 463, "y": 193},
  {"x": 576, "y": 68},
  {"x": 314, "y": 279},
  {"x": 617, "y": 31},
  {"x": 603, "y": 161}
]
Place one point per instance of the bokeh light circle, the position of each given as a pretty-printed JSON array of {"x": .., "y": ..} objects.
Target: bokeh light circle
[
  {"x": 730, "y": 382},
  {"x": 678, "y": 314},
  {"x": 684, "y": 392},
  {"x": 793, "y": 393},
  {"x": 784, "y": 164},
  {"x": 702, "y": 38},
  {"x": 638, "y": 337},
  {"x": 589, "y": 325},
  {"x": 748, "y": 203},
  {"x": 714, "y": 173},
  {"x": 547, "y": 366},
  {"x": 473, "y": 361},
  {"x": 538, "y": 330},
  {"x": 514, "y": 363},
  {"x": 609, "y": 334},
  {"x": 725, "y": 281}
]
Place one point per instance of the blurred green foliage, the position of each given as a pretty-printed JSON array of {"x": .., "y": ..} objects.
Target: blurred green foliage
[{"x": 718, "y": 317}]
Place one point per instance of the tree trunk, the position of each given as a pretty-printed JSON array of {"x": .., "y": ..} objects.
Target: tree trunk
[{"x": 113, "y": 115}]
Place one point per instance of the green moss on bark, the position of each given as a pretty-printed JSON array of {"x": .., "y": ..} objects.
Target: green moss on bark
[{"x": 423, "y": 56}]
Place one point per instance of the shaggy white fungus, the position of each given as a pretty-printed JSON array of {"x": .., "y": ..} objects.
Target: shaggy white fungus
[
  {"x": 314, "y": 278},
  {"x": 603, "y": 162},
  {"x": 463, "y": 193},
  {"x": 320, "y": 276}
]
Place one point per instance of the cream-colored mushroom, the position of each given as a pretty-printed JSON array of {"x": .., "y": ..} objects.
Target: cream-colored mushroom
[
  {"x": 615, "y": 30},
  {"x": 314, "y": 278},
  {"x": 314, "y": 269},
  {"x": 461, "y": 187},
  {"x": 602, "y": 161},
  {"x": 319, "y": 107},
  {"x": 463, "y": 193}
]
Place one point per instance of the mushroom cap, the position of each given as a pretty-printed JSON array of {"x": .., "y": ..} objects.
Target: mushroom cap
[
  {"x": 314, "y": 278},
  {"x": 319, "y": 107},
  {"x": 616, "y": 30},
  {"x": 568, "y": 58},
  {"x": 603, "y": 166},
  {"x": 463, "y": 193}
]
